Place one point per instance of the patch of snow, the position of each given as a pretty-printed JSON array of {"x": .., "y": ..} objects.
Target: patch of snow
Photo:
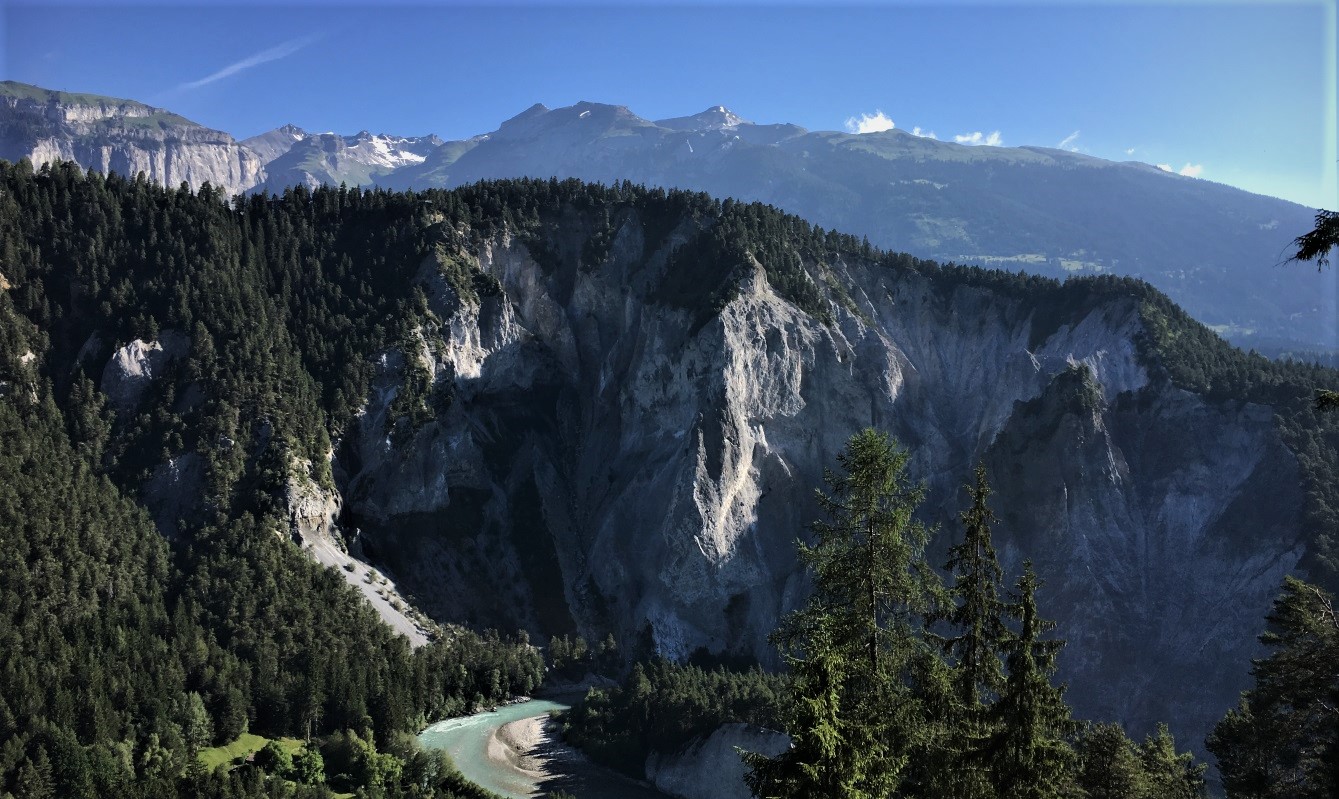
[{"x": 382, "y": 150}]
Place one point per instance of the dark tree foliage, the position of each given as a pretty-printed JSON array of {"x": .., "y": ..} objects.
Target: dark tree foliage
[
  {"x": 1283, "y": 738},
  {"x": 121, "y": 657},
  {"x": 661, "y": 706},
  {"x": 1316, "y": 245},
  {"x": 1111, "y": 766},
  {"x": 973, "y": 637},
  {"x": 1030, "y": 753},
  {"x": 855, "y": 715}
]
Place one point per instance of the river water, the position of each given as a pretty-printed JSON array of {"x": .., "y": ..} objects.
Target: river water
[{"x": 466, "y": 740}]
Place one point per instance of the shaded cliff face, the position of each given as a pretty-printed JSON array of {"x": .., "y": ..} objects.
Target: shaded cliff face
[
  {"x": 611, "y": 461},
  {"x": 122, "y": 136}
]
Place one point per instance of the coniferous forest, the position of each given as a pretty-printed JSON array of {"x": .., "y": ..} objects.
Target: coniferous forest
[{"x": 125, "y": 653}]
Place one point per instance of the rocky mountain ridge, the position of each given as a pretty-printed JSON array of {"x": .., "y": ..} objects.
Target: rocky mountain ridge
[
  {"x": 315, "y": 159},
  {"x": 122, "y": 136},
  {"x": 1035, "y": 209}
]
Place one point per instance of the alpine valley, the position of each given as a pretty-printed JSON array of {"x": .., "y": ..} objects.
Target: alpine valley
[{"x": 567, "y": 408}]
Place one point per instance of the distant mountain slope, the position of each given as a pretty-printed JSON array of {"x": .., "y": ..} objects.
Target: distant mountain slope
[
  {"x": 273, "y": 143},
  {"x": 112, "y": 135}
]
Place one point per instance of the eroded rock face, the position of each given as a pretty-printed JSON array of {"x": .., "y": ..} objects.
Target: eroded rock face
[
  {"x": 313, "y": 517},
  {"x": 132, "y": 368},
  {"x": 607, "y": 463},
  {"x": 711, "y": 768}
]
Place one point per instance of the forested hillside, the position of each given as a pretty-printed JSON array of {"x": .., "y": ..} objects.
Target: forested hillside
[{"x": 123, "y": 657}]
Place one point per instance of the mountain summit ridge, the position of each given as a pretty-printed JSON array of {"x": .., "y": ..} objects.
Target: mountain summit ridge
[{"x": 1030, "y": 208}]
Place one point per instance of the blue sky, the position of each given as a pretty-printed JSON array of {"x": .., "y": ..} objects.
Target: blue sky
[{"x": 1241, "y": 93}]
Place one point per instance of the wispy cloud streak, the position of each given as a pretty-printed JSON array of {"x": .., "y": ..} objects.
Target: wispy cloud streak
[{"x": 275, "y": 53}]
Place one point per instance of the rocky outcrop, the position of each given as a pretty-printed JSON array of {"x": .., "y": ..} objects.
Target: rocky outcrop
[
  {"x": 603, "y": 462},
  {"x": 712, "y": 768},
  {"x": 132, "y": 368},
  {"x": 110, "y": 135}
]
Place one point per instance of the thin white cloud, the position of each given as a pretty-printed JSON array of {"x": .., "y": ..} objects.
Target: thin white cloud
[
  {"x": 1166, "y": 167},
  {"x": 870, "y": 123},
  {"x": 979, "y": 138},
  {"x": 924, "y": 134},
  {"x": 1129, "y": 151},
  {"x": 275, "y": 53},
  {"x": 1067, "y": 143}
]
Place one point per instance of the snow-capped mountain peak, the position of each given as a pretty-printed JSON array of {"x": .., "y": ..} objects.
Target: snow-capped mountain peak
[{"x": 718, "y": 117}]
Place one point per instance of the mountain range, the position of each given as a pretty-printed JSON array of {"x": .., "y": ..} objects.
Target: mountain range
[{"x": 1214, "y": 249}]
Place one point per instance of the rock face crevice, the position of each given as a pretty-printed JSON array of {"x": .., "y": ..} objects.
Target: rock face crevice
[{"x": 608, "y": 463}]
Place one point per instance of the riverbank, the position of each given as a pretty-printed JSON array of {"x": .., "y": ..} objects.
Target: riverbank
[
  {"x": 516, "y": 753},
  {"x": 533, "y": 747},
  {"x": 529, "y": 745}
]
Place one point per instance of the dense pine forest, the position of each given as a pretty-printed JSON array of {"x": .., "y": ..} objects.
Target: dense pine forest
[{"x": 128, "y": 647}]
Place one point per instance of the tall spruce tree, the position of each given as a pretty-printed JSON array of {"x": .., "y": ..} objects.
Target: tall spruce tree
[
  {"x": 855, "y": 718},
  {"x": 1110, "y": 766},
  {"x": 1283, "y": 738},
  {"x": 977, "y": 634},
  {"x": 1031, "y": 758},
  {"x": 1170, "y": 774}
]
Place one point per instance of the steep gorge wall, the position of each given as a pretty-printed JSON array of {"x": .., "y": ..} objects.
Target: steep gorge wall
[{"x": 607, "y": 463}]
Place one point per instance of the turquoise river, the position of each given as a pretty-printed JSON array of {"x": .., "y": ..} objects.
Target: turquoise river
[{"x": 474, "y": 745}]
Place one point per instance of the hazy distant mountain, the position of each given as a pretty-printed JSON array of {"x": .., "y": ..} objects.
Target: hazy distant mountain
[
  {"x": 113, "y": 135},
  {"x": 274, "y": 143},
  {"x": 294, "y": 156},
  {"x": 1213, "y": 248}
]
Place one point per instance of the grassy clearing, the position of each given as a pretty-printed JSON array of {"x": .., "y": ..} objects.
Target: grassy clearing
[{"x": 245, "y": 744}]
